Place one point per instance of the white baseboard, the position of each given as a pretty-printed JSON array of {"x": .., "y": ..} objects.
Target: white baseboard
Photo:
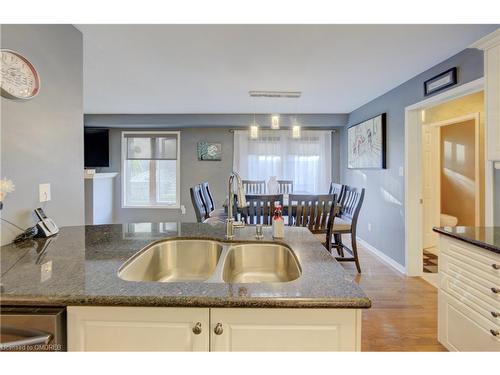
[{"x": 391, "y": 262}]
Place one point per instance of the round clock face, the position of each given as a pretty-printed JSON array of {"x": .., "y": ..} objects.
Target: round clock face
[{"x": 19, "y": 78}]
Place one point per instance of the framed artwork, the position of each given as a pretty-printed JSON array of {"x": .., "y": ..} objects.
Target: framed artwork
[
  {"x": 440, "y": 82},
  {"x": 209, "y": 151},
  {"x": 366, "y": 144}
]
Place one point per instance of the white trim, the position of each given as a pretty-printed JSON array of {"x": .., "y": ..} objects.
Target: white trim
[
  {"x": 413, "y": 172},
  {"x": 488, "y": 41},
  {"x": 379, "y": 254},
  {"x": 177, "y": 204},
  {"x": 101, "y": 175}
]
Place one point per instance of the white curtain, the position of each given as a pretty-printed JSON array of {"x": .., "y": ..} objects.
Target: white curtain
[{"x": 306, "y": 160}]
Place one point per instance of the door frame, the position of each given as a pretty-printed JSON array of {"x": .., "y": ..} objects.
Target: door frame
[
  {"x": 477, "y": 165},
  {"x": 413, "y": 174}
]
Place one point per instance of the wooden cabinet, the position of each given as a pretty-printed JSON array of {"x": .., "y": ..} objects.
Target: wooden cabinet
[
  {"x": 285, "y": 330},
  {"x": 173, "y": 329},
  {"x": 469, "y": 306},
  {"x": 92, "y": 328}
]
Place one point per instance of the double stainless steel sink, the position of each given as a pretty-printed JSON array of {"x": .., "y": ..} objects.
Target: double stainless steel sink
[{"x": 195, "y": 260}]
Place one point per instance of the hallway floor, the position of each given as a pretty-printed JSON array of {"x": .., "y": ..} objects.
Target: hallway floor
[{"x": 403, "y": 316}]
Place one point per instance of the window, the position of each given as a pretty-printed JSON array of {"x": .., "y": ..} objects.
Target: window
[
  {"x": 150, "y": 169},
  {"x": 305, "y": 160}
]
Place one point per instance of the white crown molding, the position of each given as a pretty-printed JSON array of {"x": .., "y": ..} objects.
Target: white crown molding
[{"x": 488, "y": 41}]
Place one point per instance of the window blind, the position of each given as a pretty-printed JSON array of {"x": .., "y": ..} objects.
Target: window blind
[{"x": 151, "y": 147}]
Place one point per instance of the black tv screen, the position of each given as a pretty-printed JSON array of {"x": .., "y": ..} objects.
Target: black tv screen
[{"x": 96, "y": 147}]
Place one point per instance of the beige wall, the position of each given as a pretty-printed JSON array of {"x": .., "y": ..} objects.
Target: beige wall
[
  {"x": 469, "y": 104},
  {"x": 458, "y": 171}
]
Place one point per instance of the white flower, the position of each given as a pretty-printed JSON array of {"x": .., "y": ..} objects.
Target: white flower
[{"x": 6, "y": 186}]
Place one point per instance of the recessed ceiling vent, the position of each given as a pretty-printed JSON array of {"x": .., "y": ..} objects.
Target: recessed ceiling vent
[{"x": 275, "y": 94}]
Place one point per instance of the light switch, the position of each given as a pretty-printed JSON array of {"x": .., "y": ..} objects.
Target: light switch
[
  {"x": 44, "y": 192},
  {"x": 183, "y": 209},
  {"x": 401, "y": 171}
]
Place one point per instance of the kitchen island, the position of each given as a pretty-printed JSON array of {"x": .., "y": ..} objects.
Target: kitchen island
[{"x": 78, "y": 269}]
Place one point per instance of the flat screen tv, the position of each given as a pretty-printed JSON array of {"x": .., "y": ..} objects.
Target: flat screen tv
[{"x": 96, "y": 147}]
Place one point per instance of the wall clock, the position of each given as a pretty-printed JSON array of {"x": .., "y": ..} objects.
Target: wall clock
[{"x": 19, "y": 78}]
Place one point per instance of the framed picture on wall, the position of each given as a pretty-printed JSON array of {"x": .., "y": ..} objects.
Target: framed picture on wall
[
  {"x": 440, "y": 82},
  {"x": 209, "y": 151},
  {"x": 366, "y": 143}
]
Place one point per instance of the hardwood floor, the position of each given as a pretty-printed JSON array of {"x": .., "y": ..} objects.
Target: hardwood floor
[{"x": 403, "y": 316}]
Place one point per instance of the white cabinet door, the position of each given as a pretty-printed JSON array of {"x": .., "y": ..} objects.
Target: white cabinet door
[
  {"x": 492, "y": 77},
  {"x": 285, "y": 330},
  {"x": 461, "y": 328},
  {"x": 114, "y": 328}
]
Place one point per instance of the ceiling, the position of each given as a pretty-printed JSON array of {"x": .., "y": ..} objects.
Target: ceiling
[{"x": 211, "y": 68}]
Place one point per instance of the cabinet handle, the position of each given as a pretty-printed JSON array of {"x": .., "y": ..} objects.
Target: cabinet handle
[
  {"x": 494, "y": 332},
  {"x": 197, "y": 328},
  {"x": 218, "y": 330},
  {"x": 496, "y": 266},
  {"x": 495, "y": 290},
  {"x": 495, "y": 314}
]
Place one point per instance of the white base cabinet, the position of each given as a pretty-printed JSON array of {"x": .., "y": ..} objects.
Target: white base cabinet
[
  {"x": 468, "y": 297},
  {"x": 212, "y": 329},
  {"x": 100, "y": 328}
]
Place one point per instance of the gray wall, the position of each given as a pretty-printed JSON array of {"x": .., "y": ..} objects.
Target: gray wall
[
  {"x": 195, "y": 128},
  {"x": 193, "y": 172},
  {"x": 384, "y": 201},
  {"x": 42, "y": 139}
]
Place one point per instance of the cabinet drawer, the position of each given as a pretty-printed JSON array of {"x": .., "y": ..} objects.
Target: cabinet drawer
[
  {"x": 472, "y": 258},
  {"x": 470, "y": 294},
  {"x": 478, "y": 281},
  {"x": 462, "y": 329}
]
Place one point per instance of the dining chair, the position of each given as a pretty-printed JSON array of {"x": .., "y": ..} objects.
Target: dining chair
[
  {"x": 260, "y": 209},
  {"x": 337, "y": 189},
  {"x": 198, "y": 204},
  {"x": 254, "y": 186},
  {"x": 311, "y": 211},
  {"x": 346, "y": 223},
  {"x": 285, "y": 186},
  {"x": 212, "y": 211}
]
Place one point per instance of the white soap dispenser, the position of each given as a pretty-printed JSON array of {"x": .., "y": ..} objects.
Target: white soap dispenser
[{"x": 278, "y": 223}]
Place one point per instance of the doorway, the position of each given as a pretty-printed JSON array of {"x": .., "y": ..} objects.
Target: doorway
[
  {"x": 415, "y": 116},
  {"x": 452, "y": 178}
]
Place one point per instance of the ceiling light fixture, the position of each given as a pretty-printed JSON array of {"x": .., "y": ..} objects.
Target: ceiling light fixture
[
  {"x": 254, "y": 131},
  {"x": 275, "y": 94},
  {"x": 275, "y": 122}
]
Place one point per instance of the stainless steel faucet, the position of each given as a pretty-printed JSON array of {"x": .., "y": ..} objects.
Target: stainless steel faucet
[{"x": 230, "y": 199}]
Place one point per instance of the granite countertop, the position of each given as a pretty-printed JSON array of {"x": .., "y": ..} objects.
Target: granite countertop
[
  {"x": 79, "y": 267},
  {"x": 487, "y": 238}
]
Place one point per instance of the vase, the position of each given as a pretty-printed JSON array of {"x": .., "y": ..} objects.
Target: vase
[{"x": 272, "y": 185}]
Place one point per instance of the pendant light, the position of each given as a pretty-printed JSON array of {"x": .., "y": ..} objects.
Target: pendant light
[{"x": 275, "y": 122}]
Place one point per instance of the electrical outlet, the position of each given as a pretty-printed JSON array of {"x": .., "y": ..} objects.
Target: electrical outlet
[
  {"x": 369, "y": 227},
  {"x": 183, "y": 209},
  {"x": 44, "y": 192}
]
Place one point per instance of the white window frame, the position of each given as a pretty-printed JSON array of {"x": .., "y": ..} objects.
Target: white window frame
[{"x": 177, "y": 204}]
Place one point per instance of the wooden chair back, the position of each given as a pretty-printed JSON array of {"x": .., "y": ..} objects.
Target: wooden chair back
[
  {"x": 207, "y": 197},
  {"x": 198, "y": 204},
  {"x": 351, "y": 204},
  {"x": 254, "y": 186},
  {"x": 311, "y": 211},
  {"x": 260, "y": 208},
  {"x": 285, "y": 186}
]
